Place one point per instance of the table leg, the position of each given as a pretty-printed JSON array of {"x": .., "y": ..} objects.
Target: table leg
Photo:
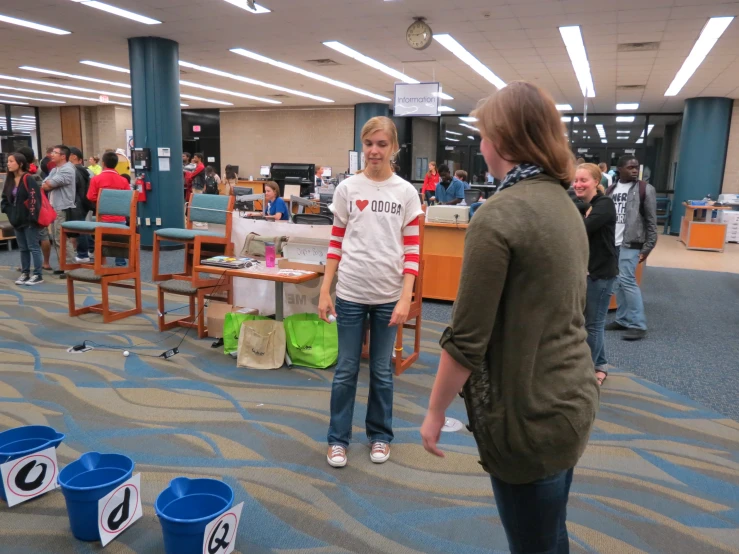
[{"x": 279, "y": 312}]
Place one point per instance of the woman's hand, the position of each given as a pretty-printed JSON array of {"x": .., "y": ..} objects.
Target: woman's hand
[
  {"x": 431, "y": 431},
  {"x": 400, "y": 313},
  {"x": 325, "y": 306}
]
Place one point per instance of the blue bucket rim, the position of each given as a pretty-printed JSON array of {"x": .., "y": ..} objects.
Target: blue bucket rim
[
  {"x": 82, "y": 489},
  {"x": 18, "y": 454},
  {"x": 229, "y": 503}
]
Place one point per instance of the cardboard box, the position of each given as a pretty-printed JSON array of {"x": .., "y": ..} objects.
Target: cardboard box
[
  {"x": 287, "y": 264},
  {"x": 216, "y": 316}
]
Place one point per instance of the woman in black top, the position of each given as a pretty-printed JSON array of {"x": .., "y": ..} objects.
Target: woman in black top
[{"x": 600, "y": 223}]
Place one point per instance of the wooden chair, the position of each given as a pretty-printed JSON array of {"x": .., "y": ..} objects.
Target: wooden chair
[
  {"x": 415, "y": 318},
  {"x": 111, "y": 240}
]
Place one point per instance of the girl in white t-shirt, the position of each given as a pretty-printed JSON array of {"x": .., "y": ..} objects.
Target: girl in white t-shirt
[{"x": 375, "y": 248}]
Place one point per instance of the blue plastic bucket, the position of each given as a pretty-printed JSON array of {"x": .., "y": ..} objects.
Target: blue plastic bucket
[
  {"x": 186, "y": 507},
  {"x": 22, "y": 441},
  {"x": 87, "y": 480}
]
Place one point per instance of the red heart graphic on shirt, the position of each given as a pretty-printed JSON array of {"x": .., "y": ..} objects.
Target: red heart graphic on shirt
[{"x": 362, "y": 204}]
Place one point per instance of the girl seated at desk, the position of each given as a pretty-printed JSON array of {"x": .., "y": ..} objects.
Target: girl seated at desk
[{"x": 276, "y": 207}]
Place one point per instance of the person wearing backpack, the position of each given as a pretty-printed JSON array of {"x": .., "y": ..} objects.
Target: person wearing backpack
[
  {"x": 212, "y": 180},
  {"x": 636, "y": 237},
  {"x": 84, "y": 206},
  {"x": 21, "y": 201}
]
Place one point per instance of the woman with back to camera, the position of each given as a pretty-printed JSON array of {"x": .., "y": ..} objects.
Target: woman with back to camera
[
  {"x": 517, "y": 342},
  {"x": 600, "y": 223},
  {"x": 375, "y": 249},
  {"x": 429, "y": 182},
  {"x": 231, "y": 179}
]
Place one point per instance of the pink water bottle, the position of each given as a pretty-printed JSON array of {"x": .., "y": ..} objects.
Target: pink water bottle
[{"x": 269, "y": 253}]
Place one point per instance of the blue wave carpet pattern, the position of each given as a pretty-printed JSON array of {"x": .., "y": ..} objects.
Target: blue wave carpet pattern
[{"x": 660, "y": 475}]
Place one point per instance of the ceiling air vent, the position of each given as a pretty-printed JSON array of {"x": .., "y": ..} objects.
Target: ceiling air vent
[
  {"x": 323, "y": 62},
  {"x": 278, "y": 96},
  {"x": 638, "y": 46},
  {"x": 57, "y": 79},
  {"x": 631, "y": 87}
]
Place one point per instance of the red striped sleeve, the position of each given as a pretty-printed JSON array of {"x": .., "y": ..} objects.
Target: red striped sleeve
[{"x": 334, "y": 246}]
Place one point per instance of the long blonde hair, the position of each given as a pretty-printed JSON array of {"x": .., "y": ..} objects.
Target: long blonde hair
[
  {"x": 382, "y": 123},
  {"x": 525, "y": 126}
]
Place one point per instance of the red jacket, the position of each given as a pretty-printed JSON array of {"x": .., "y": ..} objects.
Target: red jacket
[
  {"x": 108, "y": 179},
  {"x": 430, "y": 182}
]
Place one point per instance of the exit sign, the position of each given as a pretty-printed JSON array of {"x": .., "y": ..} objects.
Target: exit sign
[{"x": 196, "y": 128}]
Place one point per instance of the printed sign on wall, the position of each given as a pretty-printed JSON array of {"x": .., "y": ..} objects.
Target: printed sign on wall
[
  {"x": 30, "y": 476},
  {"x": 220, "y": 534},
  {"x": 118, "y": 510}
]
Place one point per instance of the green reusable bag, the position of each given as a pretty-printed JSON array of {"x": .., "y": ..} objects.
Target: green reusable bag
[
  {"x": 232, "y": 328},
  {"x": 311, "y": 342}
]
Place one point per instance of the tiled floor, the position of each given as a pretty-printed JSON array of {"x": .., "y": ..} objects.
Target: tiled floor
[{"x": 670, "y": 252}]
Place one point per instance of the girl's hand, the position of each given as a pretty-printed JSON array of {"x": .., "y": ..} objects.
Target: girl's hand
[
  {"x": 400, "y": 313},
  {"x": 325, "y": 306}
]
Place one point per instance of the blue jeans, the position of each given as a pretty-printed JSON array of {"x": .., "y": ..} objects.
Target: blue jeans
[
  {"x": 630, "y": 311},
  {"x": 350, "y": 318},
  {"x": 83, "y": 245},
  {"x": 121, "y": 262},
  {"x": 28, "y": 243},
  {"x": 534, "y": 515},
  {"x": 596, "y": 309}
]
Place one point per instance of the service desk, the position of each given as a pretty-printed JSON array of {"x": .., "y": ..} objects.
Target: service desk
[
  {"x": 698, "y": 232},
  {"x": 443, "y": 248}
]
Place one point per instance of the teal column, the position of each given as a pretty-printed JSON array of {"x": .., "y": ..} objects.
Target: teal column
[
  {"x": 362, "y": 114},
  {"x": 157, "y": 123},
  {"x": 703, "y": 143}
]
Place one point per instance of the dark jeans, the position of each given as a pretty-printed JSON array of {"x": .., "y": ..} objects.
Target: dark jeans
[
  {"x": 534, "y": 515},
  {"x": 596, "y": 308},
  {"x": 28, "y": 244},
  {"x": 350, "y": 318},
  {"x": 427, "y": 195},
  {"x": 83, "y": 245}
]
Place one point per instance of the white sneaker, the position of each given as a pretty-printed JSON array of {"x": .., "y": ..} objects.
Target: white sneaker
[
  {"x": 336, "y": 455},
  {"x": 82, "y": 260},
  {"x": 22, "y": 279},
  {"x": 380, "y": 452},
  {"x": 35, "y": 280}
]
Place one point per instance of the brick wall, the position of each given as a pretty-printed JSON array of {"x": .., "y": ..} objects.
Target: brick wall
[
  {"x": 50, "y": 127},
  {"x": 731, "y": 171},
  {"x": 252, "y": 138}
]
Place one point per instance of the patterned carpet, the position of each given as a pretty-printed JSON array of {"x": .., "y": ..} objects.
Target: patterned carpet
[{"x": 661, "y": 473}]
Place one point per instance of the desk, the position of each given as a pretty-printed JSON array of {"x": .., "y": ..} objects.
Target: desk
[
  {"x": 443, "y": 248},
  {"x": 486, "y": 189},
  {"x": 697, "y": 231},
  {"x": 263, "y": 274},
  {"x": 256, "y": 186}
]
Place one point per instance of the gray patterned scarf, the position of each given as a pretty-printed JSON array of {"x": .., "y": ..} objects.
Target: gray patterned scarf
[{"x": 519, "y": 173}]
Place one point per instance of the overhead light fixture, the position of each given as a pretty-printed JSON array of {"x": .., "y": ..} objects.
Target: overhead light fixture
[
  {"x": 448, "y": 42},
  {"x": 625, "y": 119},
  {"x": 184, "y": 105},
  {"x": 32, "y": 25},
  {"x": 451, "y": 139},
  {"x": 622, "y": 138},
  {"x": 68, "y": 87},
  {"x": 305, "y": 73},
  {"x": 711, "y": 32},
  {"x": 253, "y": 81},
  {"x": 623, "y": 131},
  {"x": 47, "y": 93},
  {"x": 468, "y": 119},
  {"x": 73, "y": 76},
  {"x": 14, "y": 102},
  {"x": 470, "y": 137},
  {"x": 209, "y": 100},
  {"x": 640, "y": 141},
  {"x": 29, "y": 98},
  {"x": 604, "y": 141},
  {"x": 649, "y": 130},
  {"x": 572, "y": 38},
  {"x": 453, "y": 133},
  {"x": 230, "y": 92},
  {"x": 470, "y": 127},
  {"x": 249, "y": 6},
  {"x": 575, "y": 131},
  {"x": 567, "y": 119},
  {"x": 601, "y": 130},
  {"x": 118, "y": 11},
  {"x": 105, "y": 66},
  {"x": 446, "y": 109},
  {"x": 563, "y": 107},
  {"x": 632, "y": 106}
]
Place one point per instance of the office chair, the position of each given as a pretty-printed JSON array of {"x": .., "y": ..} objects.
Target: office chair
[
  {"x": 664, "y": 213},
  {"x": 313, "y": 219}
]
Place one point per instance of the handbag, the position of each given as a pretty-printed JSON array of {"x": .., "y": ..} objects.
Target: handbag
[
  {"x": 311, "y": 342},
  {"x": 232, "y": 329},
  {"x": 45, "y": 213},
  {"x": 261, "y": 345},
  {"x": 254, "y": 245}
]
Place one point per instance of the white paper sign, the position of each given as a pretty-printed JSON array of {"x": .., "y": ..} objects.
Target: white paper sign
[
  {"x": 353, "y": 162},
  {"x": 30, "y": 476},
  {"x": 118, "y": 510},
  {"x": 421, "y": 99},
  {"x": 220, "y": 534}
]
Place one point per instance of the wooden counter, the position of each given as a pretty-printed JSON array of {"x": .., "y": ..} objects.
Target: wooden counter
[
  {"x": 698, "y": 232},
  {"x": 443, "y": 248}
]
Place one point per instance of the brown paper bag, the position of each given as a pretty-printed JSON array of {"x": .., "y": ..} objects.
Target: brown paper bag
[{"x": 261, "y": 345}]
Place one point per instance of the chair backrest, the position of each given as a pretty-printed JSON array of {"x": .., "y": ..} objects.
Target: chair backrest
[
  {"x": 663, "y": 204},
  {"x": 313, "y": 219},
  {"x": 209, "y": 208},
  {"x": 114, "y": 202}
]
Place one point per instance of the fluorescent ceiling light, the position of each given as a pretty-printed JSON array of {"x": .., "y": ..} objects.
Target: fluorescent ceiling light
[
  {"x": 451, "y": 139},
  {"x": 32, "y": 25},
  {"x": 625, "y": 119},
  {"x": 184, "y": 105},
  {"x": 189, "y": 97},
  {"x": 453, "y": 133},
  {"x": 29, "y": 98},
  {"x": 118, "y": 11},
  {"x": 470, "y": 137},
  {"x": 244, "y": 6},
  {"x": 623, "y": 131},
  {"x": 47, "y": 93},
  {"x": 310, "y": 74},
  {"x": 572, "y": 38},
  {"x": 253, "y": 81},
  {"x": 468, "y": 119},
  {"x": 649, "y": 130},
  {"x": 567, "y": 119},
  {"x": 470, "y": 127},
  {"x": 68, "y": 87},
  {"x": 230, "y": 92},
  {"x": 444, "y": 96},
  {"x": 105, "y": 66},
  {"x": 640, "y": 141},
  {"x": 15, "y": 102},
  {"x": 446, "y": 109},
  {"x": 564, "y": 107},
  {"x": 708, "y": 37},
  {"x": 29, "y": 117},
  {"x": 575, "y": 131},
  {"x": 73, "y": 76},
  {"x": 604, "y": 140},
  {"x": 622, "y": 138},
  {"x": 632, "y": 106},
  {"x": 448, "y": 42},
  {"x": 601, "y": 130}
]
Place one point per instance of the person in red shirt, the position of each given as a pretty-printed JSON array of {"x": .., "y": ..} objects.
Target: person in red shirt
[
  {"x": 430, "y": 182},
  {"x": 195, "y": 179},
  {"x": 109, "y": 179}
]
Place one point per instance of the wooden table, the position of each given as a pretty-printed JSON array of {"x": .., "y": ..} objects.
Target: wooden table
[
  {"x": 698, "y": 232},
  {"x": 443, "y": 248},
  {"x": 263, "y": 273}
]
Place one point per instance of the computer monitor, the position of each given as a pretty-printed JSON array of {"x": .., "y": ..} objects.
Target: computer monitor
[
  {"x": 326, "y": 172},
  {"x": 304, "y": 173},
  {"x": 264, "y": 171},
  {"x": 243, "y": 191}
]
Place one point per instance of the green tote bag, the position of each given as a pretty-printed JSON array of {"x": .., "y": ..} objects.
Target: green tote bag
[
  {"x": 311, "y": 342},
  {"x": 232, "y": 328}
]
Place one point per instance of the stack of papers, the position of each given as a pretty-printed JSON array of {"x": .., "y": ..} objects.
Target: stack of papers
[{"x": 230, "y": 262}]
